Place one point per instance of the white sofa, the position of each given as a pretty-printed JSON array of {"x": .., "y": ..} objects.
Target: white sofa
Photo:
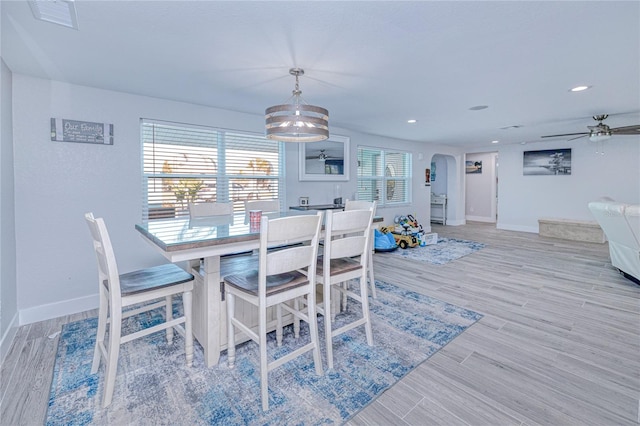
[{"x": 621, "y": 224}]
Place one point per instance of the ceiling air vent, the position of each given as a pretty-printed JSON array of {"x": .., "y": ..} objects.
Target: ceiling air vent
[{"x": 61, "y": 12}]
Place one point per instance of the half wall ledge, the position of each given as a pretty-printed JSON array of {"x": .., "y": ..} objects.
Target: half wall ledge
[{"x": 569, "y": 229}]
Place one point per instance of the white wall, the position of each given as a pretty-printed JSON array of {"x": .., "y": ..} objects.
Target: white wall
[
  {"x": 8, "y": 281},
  {"x": 57, "y": 182},
  {"x": 525, "y": 199},
  {"x": 323, "y": 192}
]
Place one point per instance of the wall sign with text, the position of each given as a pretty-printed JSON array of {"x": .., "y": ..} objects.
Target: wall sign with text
[{"x": 63, "y": 130}]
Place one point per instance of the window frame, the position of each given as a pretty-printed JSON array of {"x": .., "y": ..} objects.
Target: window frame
[
  {"x": 221, "y": 139},
  {"x": 381, "y": 180}
]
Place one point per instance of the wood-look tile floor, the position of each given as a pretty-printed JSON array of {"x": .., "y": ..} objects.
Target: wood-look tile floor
[{"x": 559, "y": 343}]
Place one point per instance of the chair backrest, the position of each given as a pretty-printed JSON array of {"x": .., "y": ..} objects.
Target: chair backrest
[
  {"x": 210, "y": 209},
  {"x": 347, "y": 234},
  {"x": 108, "y": 275},
  {"x": 287, "y": 233},
  {"x": 359, "y": 205},
  {"x": 264, "y": 205}
]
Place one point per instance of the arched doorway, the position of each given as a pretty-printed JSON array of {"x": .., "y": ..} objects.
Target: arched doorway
[{"x": 445, "y": 185}]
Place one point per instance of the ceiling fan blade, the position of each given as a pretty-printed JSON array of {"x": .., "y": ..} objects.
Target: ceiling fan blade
[
  {"x": 578, "y": 137},
  {"x": 627, "y": 130},
  {"x": 566, "y": 134}
]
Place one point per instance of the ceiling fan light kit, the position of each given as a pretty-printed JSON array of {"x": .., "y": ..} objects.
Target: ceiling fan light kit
[
  {"x": 599, "y": 136},
  {"x": 297, "y": 121},
  {"x": 601, "y": 132}
]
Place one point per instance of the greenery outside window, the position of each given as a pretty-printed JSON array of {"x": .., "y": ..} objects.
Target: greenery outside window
[
  {"x": 185, "y": 163},
  {"x": 384, "y": 176}
]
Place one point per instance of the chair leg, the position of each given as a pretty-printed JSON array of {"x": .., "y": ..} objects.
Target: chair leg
[
  {"x": 264, "y": 366},
  {"x": 169, "y": 317},
  {"x": 187, "y": 306},
  {"x": 342, "y": 298},
  {"x": 231, "y": 340},
  {"x": 313, "y": 332},
  {"x": 326, "y": 295},
  {"x": 279, "y": 325},
  {"x": 364, "y": 296},
  {"x": 111, "y": 366},
  {"x": 372, "y": 280},
  {"x": 296, "y": 320},
  {"x": 103, "y": 312}
]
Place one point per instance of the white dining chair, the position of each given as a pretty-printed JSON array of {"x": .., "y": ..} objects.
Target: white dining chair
[
  {"x": 148, "y": 289},
  {"x": 203, "y": 210},
  {"x": 359, "y": 205},
  {"x": 282, "y": 275},
  {"x": 344, "y": 258},
  {"x": 263, "y": 205}
]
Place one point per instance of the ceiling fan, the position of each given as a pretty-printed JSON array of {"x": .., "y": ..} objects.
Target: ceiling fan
[
  {"x": 322, "y": 156},
  {"x": 602, "y": 132}
]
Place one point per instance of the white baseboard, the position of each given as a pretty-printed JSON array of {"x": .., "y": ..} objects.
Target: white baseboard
[
  {"x": 481, "y": 219},
  {"x": 507, "y": 227},
  {"x": 58, "y": 309},
  {"x": 7, "y": 338},
  {"x": 456, "y": 222}
]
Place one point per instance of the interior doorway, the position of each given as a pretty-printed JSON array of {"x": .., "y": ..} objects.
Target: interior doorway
[
  {"x": 445, "y": 189},
  {"x": 481, "y": 187}
]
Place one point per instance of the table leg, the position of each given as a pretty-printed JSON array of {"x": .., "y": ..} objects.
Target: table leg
[{"x": 207, "y": 301}]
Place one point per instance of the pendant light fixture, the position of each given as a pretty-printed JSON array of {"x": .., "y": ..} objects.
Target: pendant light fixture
[{"x": 297, "y": 121}]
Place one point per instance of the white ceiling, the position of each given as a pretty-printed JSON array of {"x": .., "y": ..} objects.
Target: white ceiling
[{"x": 372, "y": 64}]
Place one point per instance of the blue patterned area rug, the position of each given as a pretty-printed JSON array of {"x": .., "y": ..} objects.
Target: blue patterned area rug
[
  {"x": 444, "y": 251},
  {"x": 154, "y": 386}
]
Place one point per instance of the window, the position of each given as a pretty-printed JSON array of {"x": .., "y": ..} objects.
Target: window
[
  {"x": 384, "y": 176},
  {"x": 185, "y": 163}
]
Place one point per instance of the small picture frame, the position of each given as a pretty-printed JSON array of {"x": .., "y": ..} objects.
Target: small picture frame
[{"x": 473, "y": 167}]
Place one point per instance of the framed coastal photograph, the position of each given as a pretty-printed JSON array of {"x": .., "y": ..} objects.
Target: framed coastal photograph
[
  {"x": 473, "y": 167},
  {"x": 547, "y": 162}
]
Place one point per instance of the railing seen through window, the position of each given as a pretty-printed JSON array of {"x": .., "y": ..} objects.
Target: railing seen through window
[
  {"x": 384, "y": 176},
  {"x": 187, "y": 163}
]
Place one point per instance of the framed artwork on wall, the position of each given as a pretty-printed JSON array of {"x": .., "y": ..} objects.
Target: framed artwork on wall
[
  {"x": 473, "y": 167},
  {"x": 65, "y": 130},
  {"x": 547, "y": 162}
]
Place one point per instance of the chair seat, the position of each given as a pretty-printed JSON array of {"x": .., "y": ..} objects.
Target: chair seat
[
  {"x": 151, "y": 278},
  {"x": 248, "y": 282},
  {"x": 339, "y": 266}
]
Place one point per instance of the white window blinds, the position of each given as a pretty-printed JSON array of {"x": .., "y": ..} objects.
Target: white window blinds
[
  {"x": 187, "y": 163},
  {"x": 384, "y": 176}
]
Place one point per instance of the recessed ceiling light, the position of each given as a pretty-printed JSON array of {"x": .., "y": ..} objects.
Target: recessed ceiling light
[
  {"x": 495, "y": 141},
  {"x": 478, "y": 107},
  {"x": 412, "y": 121},
  {"x": 580, "y": 88}
]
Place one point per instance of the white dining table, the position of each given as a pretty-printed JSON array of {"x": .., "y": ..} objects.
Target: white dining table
[{"x": 185, "y": 239}]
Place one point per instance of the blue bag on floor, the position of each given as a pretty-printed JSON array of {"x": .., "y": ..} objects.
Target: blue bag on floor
[{"x": 383, "y": 242}]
